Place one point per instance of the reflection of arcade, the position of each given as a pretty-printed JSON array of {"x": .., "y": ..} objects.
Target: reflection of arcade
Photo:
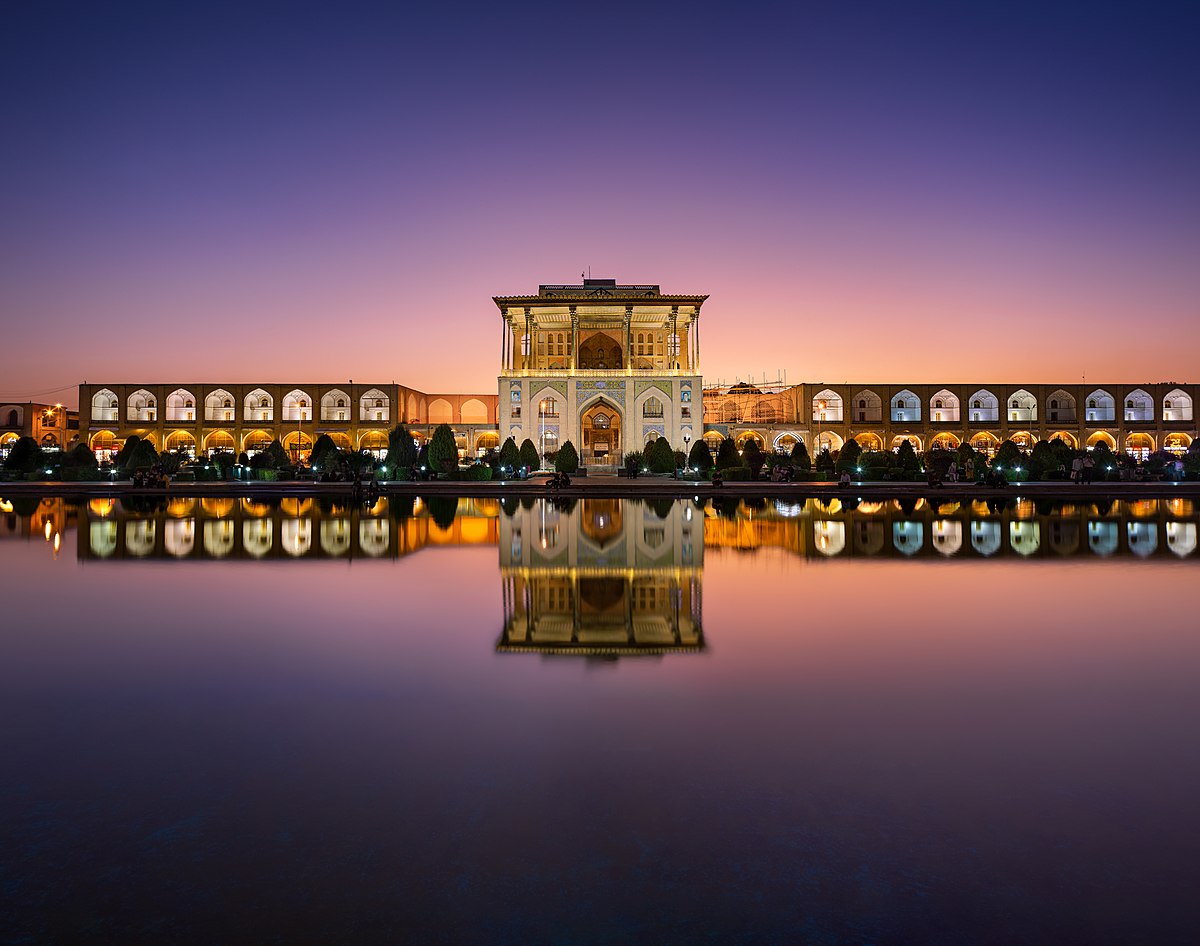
[{"x": 602, "y": 578}]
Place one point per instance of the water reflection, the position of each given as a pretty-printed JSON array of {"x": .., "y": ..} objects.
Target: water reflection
[{"x": 602, "y": 578}]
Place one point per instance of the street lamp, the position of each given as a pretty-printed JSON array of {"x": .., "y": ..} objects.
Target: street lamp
[{"x": 542, "y": 436}]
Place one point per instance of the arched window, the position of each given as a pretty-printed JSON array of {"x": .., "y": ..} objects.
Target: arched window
[
  {"x": 548, "y": 406},
  {"x": 1054, "y": 404},
  {"x": 1091, "y": 402},
  {"x": 937, "y": 403},
  {"x": 977, "y": 403},
  {"x": 652, "y": 408},
  {"x": 600, "y": 421}
]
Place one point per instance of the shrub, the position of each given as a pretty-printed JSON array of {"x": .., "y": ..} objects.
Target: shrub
[
  {"x": 529, "y": 456},
  {"x": 402, "y": 449},
  {"x": 752, "y": 456},
  {"x": 510, "y": 456},
  {"x": 906, "y": 458},
  {"x": 443, "y": 451},
  {"x": 847, "y": 461},
  {"x": 701, "y": 457},
  {"x": 567, "y": 460},
  {"x": 659, "y": 456},
  {"x": 727, "y": 455},
  {"x": 634, "y": 461},
  {"x": 800, "y": 457},
  {"x": 476, "y": 473}
]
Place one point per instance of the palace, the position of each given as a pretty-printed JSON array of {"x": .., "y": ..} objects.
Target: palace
[
  {"x": 53, "y": 426},
  {"x": 608, "y": 367}
]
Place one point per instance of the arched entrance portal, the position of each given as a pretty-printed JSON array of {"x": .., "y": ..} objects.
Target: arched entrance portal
[{"x": 601, "y": 429}]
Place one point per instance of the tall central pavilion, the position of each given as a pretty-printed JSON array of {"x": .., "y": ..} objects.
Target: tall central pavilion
[{"x": 608, "y": 367}]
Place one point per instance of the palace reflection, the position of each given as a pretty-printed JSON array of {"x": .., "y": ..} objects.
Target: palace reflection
[{"x": 603, "y": 578}]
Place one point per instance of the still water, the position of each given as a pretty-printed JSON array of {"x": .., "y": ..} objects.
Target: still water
[{"x": 228, "y": 720}]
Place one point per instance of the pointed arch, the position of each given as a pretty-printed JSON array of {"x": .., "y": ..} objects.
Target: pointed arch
[
  {"x": 104, "y": 406},
  {"x": 1022, "y": 406},
  {"x": 141, "y": 405},
  {"x": 944, "y": 407},
  {"x": 870, "y": 442},
  {"x": 1139, "y": 406},
  {"x": 827, "y": 439},
  {"x": 181, "y": 406},
  {"x": 1102, "y": 437},
  {"x": 335, "y": 406},
  {"x": 827, "y": 406},
  {"x": 1139, "y": 445},
  {"x": 440, "y": 411},
  {"x": 898, "y": 440},
  {"x": 297, "y": 406},
  {"x": 1066, "y": 437},
  {"x": 411, "y": 409},
  {"x": 219, "y": 406},
  {"x": 984, "y": 408},
  {"x": 473, "y": 411},
  {"x": 1060, "y": 407},
  {"x": 868, "y": 407},
  {"x": 1100, "y": 407},
  {"x": 375, "y": 406},
  {"x": 906, "y": 407},
  {"x": 1177, "y": 405},
  {"x": 259, "y": 405},
  {"x": 944, "y": 441}
]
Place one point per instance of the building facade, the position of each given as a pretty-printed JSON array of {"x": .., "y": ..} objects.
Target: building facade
[
  {"x": 608, "y": 367},
  {"x": 1138, "y": 419},
  {"x": 204, "y": 418},
  {"x": 53, "y": 426}
]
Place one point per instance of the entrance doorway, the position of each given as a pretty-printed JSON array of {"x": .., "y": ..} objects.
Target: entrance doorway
[{"x": 601, "y": 428}]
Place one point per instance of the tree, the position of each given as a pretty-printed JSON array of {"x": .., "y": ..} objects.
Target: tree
[
  {"x": 401, "y": 449},
  {"x": 800, "y": 458},
  {"x": 25, "y": 456},
  {"x": 142, "y": 457},
  {"x": 121, "y": 460},
  {"x": 634, "y": 461},
  {"x": 727, "y": 455},
  {"x": 324, "y": 451},
  {"x": 907, "y": 458},
  {"x": 752, "y": 456},
  {"x": 443, "y": 450},
  {"x": 1009, "y": 456},
  {"x": 529, "y": 455},
  {"x": 80, "y": 457},
  {"x": 847, "y": 461},
  {"x": 824, "y": 462},
  {"x": 1042, "y": 460},
  {"x": 567, "y": 460},
  {"x": 660, "y": 457},
  {"x": 701, "y": 457},
  {"x": 510, "y": 456}
]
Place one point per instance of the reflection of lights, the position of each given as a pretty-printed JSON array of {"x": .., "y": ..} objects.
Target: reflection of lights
[
  {"x": 5, "y": 505},
  {"x": 57, "y": 542},
  {"x": 47, "y": 530}
]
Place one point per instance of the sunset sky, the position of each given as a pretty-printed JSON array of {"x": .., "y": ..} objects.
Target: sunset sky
[{"x": 869, "y": 192}]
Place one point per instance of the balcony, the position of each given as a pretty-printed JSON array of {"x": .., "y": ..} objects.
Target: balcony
[{"x": 598, "y": 373}]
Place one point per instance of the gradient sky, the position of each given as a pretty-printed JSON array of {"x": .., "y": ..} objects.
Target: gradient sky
[{"x": 870, "y": 192}]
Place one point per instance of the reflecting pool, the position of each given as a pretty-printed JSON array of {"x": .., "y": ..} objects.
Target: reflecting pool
[{"x": 483, "y": 721}]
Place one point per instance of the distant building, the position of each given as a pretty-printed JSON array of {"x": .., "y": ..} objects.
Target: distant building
[
  {"x": 51, "y": 425},
  {"x": 203, "y": 418},
  {"x": 609, "y": 367}
]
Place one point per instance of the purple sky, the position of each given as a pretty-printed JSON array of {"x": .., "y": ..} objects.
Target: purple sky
[{"x": 922, "y": 193}]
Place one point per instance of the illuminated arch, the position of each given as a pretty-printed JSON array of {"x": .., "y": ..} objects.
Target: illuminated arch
[
  {"x": 104, "y": 445},
  {"x": 944, "y": 407},
  {"x": 947, "y": 536},
  {"x": 1021, "y": 407},
  {"x": 827, "y": 406},
  {"x": 1100, "y": 407},
  {"x": 256, "y": 441},
  {"x": 373, "y": 442},
  {"x": 219, "y": 441},
  {"x": 869, "y": 441},
  {"x": 1177, "y": 443},
  {"x": 219, "y": 406},
  {"x": 784, "y": 442},
  {"x": 906, "y": 407},
  {"x": 1101, "y": 437},
  {"x": 104, "y": 406},
  {"x": 180, "y": 441},
  {"x": 1177, "y": 405},
  {"x": 984, "y": 407},
  {"x": 944, "y": 441},
  {"x": 297, "y": 406},
  {"x": 181, "y": 406},
  {"x": 1066, "y": 437},
  {"x": 259, "y": 405},
  {"x": 1139, "y": 445},
  {"x": 1139, "y": 406},
  {"x": 298, "y": 444},
  {"x": 335, "y": 406},
  {"x": 751, "y": 435},
  {"x": 900, "y": 438},
  {"x": 375, "y": 406},
  {"x": 141, "y": 405},
  {"x": 827, "y": 439},
  {"x": 411, "y": 410}
]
